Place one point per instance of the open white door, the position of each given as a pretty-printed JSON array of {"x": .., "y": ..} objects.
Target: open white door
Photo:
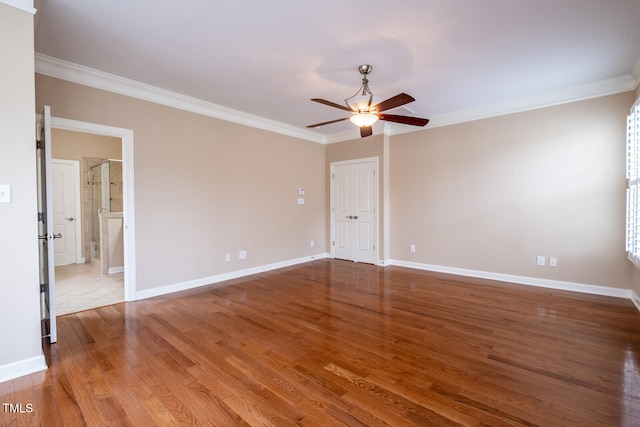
[{"x": 45, "y": 230}]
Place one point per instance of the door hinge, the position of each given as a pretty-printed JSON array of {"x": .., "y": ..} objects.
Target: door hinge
[
  {"x": 38, "y": 144},
  {"x": 333, "y": 243},
  {"x": 42, "y": 288}
]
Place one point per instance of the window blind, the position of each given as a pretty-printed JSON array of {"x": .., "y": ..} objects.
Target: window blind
[{"x": 633, "y": 181}]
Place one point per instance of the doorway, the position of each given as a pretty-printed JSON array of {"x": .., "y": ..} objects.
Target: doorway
[
  {"x": 354, "y": 210},
  {"x": 126, "y": 272},
  {"x": 92, "y": 279}
]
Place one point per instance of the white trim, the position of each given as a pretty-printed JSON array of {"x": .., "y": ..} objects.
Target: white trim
[
  {"x": 26, "y": 5},
  {"x": 128, "y": 216},
  {"x": 521, "y": 280},
  {"x": 380, "y": 128},
  {"x": 211, "y": 280},
  {"x": 79, "y": 259},
  {"x": 635, "y": 300},
  {"x": 597, "y": 89},
  {"x": 75, "y": 73},
  {"x": 114, "y": 270},
  {"x": 57, "y": 68},
  {"x": 23, "y": 367},
  {"x": 636, "y": 72}
]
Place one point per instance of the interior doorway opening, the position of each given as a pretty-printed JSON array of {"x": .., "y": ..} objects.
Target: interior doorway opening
[
  {"x": 94, "y": 277},
  {"x": 124, "y": 140}
]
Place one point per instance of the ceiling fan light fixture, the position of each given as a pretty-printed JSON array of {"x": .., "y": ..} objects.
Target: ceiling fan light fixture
[
  {"x": 363, "y": 119},
  {"x": 360, "y": 103},
  {"x": 365, "y": 111}
]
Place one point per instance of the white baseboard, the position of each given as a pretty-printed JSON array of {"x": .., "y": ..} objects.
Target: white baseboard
[
  {"x": 22, "y": 367},
  {"x": 183, "y": 286},
  {"x": 114, "y": 270},
  {"x": 523, "y": 280},
  {"x": 635, "y": 300}
]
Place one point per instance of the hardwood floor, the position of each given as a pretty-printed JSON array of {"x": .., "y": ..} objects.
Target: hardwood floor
[{"x": 337, "y": 343}]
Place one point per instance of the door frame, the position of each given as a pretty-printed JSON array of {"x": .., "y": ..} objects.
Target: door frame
[
  {"x": 126, "y": 135},
  {"x": 76, "y": 205},
  {"x": 333, "y": 195}
]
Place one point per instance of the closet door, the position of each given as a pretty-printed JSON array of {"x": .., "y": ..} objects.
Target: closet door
[{"x": 353, "y": 210}]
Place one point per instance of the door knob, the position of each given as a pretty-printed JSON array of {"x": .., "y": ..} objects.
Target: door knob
[
  {"x": 355, "y": 217},
  {"x": 70, "y": 219},
  {"x": 350, "y": 217}
]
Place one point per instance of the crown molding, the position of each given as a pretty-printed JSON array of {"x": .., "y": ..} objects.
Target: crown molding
[
  {"x": 636, "y": 72},
  {"x": 75, "y": 73},
  {"x": 597, "y": 89},
  {"x": 26, "y": 5},
  {"x": 64, "y": 70},
  {"x": 351, "y": 134}
]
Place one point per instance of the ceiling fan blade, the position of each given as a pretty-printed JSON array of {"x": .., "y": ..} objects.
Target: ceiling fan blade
[
  {"x": 406, "y": 120},
  {"x": 332, "y": 104},
  {"x": 393, "y": 102},
  {"x": 366, "y": 131},
  {"x": 327, "y": 123}
]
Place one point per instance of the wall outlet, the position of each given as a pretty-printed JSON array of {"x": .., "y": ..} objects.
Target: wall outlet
[
  {"x": 540, "y": 261},
  {"x": 312, "y": 243},
  {"x": 412, "y": 248},
  {"x": 301, "y": 191},
  {"x": 242, "y": 255},
  {"x": 553, "y": 261},
  {"x": 227, "y": 257}
]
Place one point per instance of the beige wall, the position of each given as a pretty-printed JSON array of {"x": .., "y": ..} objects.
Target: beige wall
[
  {"x": 635, "y": 281},
  {"x": 205, "y": 187},
  {"x": 493, "y": 194},
  {"x": 19, "y": 282},
  {"x": 71, "y": 145}
]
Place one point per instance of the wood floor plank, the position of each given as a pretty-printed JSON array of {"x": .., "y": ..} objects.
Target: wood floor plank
[{"x": 331, "y": 343}]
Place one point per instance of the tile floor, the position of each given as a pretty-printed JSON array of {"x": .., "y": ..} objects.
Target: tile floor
[{"x": 81, "y": 287}]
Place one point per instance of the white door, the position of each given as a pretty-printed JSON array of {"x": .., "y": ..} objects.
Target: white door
[
  {"x": 46, "y": 235},
  {"x": 65, "y": 175},
  {"x": 354, "y": 202}
]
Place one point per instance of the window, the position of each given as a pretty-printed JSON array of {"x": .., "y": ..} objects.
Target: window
[{"x": 633, "y": 184}]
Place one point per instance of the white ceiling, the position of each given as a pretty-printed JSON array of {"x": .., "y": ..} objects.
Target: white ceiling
[{"x": 458, "y": 58}]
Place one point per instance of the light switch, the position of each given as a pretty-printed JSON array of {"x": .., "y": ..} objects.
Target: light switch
[
  {"x": 301, "y": 200},
  {"x": 5, "y": 194}
]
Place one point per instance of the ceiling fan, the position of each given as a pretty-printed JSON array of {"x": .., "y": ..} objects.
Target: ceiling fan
[{"x": 364, "y": 113}]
